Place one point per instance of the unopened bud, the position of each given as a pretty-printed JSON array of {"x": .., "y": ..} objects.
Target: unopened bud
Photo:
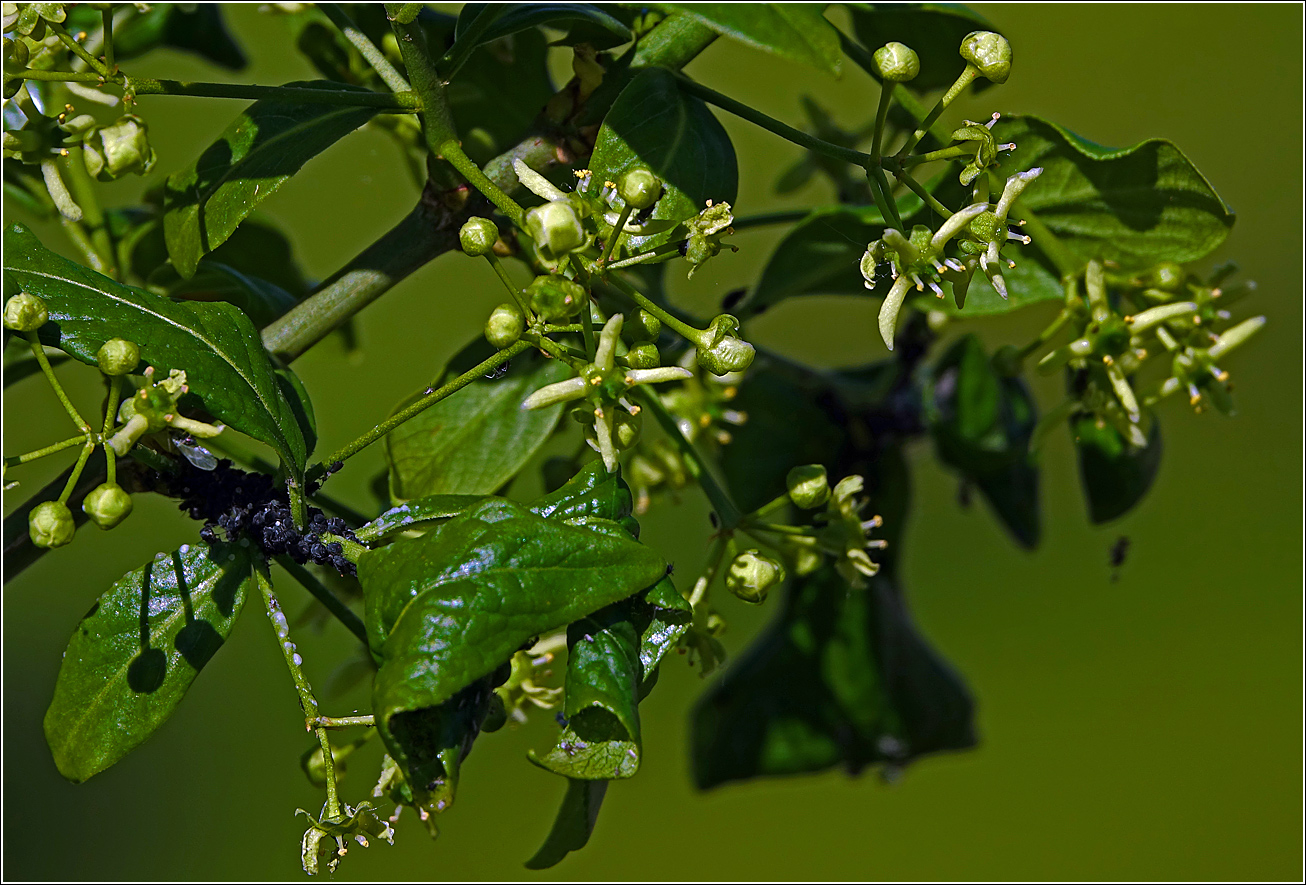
[
  {"x": 504, "y": 326},
  {"x": 642, "y": 326},
  {"x": 118, "y": 356},
  {"x": 107, "y": 505},
  {"x": 990, "y": 53},
  {"x": 556, "y": 298},
  {"x": 720, "y": 351},
  {"x": 752, "y": 576},
  {"x": 121, "y": 147},
  {"x": 51, "y": 524},
  {"x": 478, "y": 236},
  {"x": 897, "y": 63},
  {"x": 809, "y": 487},
  {"x": 639, "y": 187},
  {"x": 644, "y": 356},
  {"x": 25, "y": 313},
  {"x": 555, "y": 227},
  {"x": 1167, "y": 276}
]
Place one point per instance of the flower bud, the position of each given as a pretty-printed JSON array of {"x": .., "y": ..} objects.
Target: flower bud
[
  {"x": 118, "y": 356},
  {"x": 1167, "y": 276},
  {"x": 25, "y": 313},
  {"x": 720, "y": 351},
  {"x": 107, "y": 505},
  {"x": 990, "y": 53},
  {"x": 114, "y": 150},
  {"x": 556, "y": 298},
  {"x": 478, "y": 236},
  {"x": 504, "y": 326},
  {"x": 642, "y": 326},
  {"x": 555, "y": 227},
  {"x": 808, "y": 486},
  {"x": 897, "y": 63},
  {"x": 639, "y": 187},
  {"x": 752, "y": 575},
  {"x": 51, "y": 524},
  {"x": 644, "y": 356}
]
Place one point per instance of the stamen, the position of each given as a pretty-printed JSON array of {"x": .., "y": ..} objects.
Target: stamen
[{"x": 989, "y": 124}]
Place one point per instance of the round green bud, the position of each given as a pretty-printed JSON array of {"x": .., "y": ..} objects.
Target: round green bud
[
  {"x": 987, "y": 227},
  {"x": 556, "y": 298},
  {"x": 118, "y": 356},
  {"x": 990, "y": 53},
  {"x": 25, "y": 313},
  {"x": 107, "y": 505},
  {"x": 121, "y": 147},
  {"x": 626, "y": 428},
  {"x": 641, "y": 326},
  {"x": 556, "y": 227},
  {"x": 644, "y": 356},
  {"x": 897, "y": 63},
  {"x": 720, "y": 351},
  {"x": 808, "y": 485},
  {"x": 1168, "y": 276},
  {"x": 504, "y": 326},
  {"x": 51, "y": 524},
  {"x": 639, "y": 187},
  {"x": 478, "y": 236},
  {"x": 752, "y": 575}
]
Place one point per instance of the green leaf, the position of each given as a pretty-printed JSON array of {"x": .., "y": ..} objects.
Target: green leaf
[
  {"x": 796, "y": 31},
  {"x": 592, "y": 493},
  {"x": 520, "y": 16},
  {"x": 296, "y": 396},
  {"x": 573, "y": 825},
  {"x": 655, "y": 125},
  {"x": 261, "y": 300},
  {"x": 451, "y": 606},
  {"x": 840, "y": 678},
  {"x": 933, "y": 30},
  {"x": 190, "y": 27},
  {"x": 1115, "y": 475},
  {"x": 475, "y": 441},
  {"x": 415, "y": 513},
  {"x": 215, "y": 344},
  {"x": 137, "y": 651},
  {"x": 263, "y": 147},
  {"x": 982, "y": 424},
  {"x": 1133, "y": 206}
]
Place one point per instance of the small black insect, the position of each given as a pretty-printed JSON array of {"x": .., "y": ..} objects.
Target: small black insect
[
  {"x": 1119, "y": 551},
  {"x": 498, "y": 371}
]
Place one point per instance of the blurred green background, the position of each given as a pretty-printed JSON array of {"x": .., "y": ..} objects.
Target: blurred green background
[{"x": 1149, "y": 728}]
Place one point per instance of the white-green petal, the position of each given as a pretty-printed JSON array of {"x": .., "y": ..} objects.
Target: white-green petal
[
  {"x": 535, "y": 182},
  {"x": 1145, "y": 320},
  {"x": 955, "y": 223},
  {"x": 561, "y": 392},
  {"x": 605, "y": 353},
  {"x": 1236, "y": 336},
  {"x": 1015, "y": 184},
  {"x": 889, "y": 310},
  {"x": 655, "y": 376}
]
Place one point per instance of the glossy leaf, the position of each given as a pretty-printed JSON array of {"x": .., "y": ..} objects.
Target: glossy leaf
[
  {"x": 301, "y": 406},
  {"x": 933, "y": 30},
  {"x": 573, "y": 825},
  {"x": 416, "y": 512},
  {"x": 1134, "y": 206},
  {"x": 217, "y": 346},
  {"x": 475, "y": 441},
  {"x": 520, "y": 16},
  {"x": 840, "y": 678},
  {"x": 261, "y": 300},
  {"x": 263, "y": 147},
  {"x": 1115, "y": 475},
  {"x": 135, "y": 654},
  {"x": 796, "y": 31},
  {"x": 592, "y": 493},
  {"x": 451, "y": 606},
  {"x": 982, "y": 424},
  {"x": 655, "y": 125}
]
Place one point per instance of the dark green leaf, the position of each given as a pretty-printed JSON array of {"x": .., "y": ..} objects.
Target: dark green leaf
[
  {"x": 473, "y": 442},
  {"x": 655, "y": 125},
  {"x": 592, "y": 493},
  {"x": 263, "y": 147},
  {"x": 296, "y": 396},
  {"x": 840, "y": 678},
  {"x": 796, "y": 31},
  {"x": 451, "y": 606},
  {"x": 933, "y": 30},
  {"x": 414, "y": 513},
  {"x": 573, "y": 825},
  {"x": 982, "y": 424},
  {"x": 520, "y": 16},
  {"x": 1134, "y": 206},
  {"x": 261, "y": 300},
  {"x": 137, "y": 651},
  {"x": 190, "y": 27},
  {"x": 215, "y": 344},
  {"x": 1115, "y": 475}
]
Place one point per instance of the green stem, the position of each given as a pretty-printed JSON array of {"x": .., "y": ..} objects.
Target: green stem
[
  {"x": 110, "y": 415},
  {"x": 77, "y": 470},
  {"x": 77, "y": 49},
  {"x": 784, "y": 130},
  {"x": 343, "y": 613},
  {"x": 555, "y": 350},
  {"x": 375, "y": 57},
  {"x": 68, "y": 443},
  {"x": 968, "y": 74},
  {"x": 451, "y": 151},
  {"x": 402, "y": 102},
  {"x": 726, "y": 509},
  {"x": 884, "y": 196},
  {"x": 906, "y": 100},
  {"x": 352, "y": 550},
  {"x": 1067, "y": 263},
  {"x": 657, "y": 252},
  {"x": 683, "y": 329},
  {"x": 83, "y": 189},
  {"x": 611, "y": 245},
  {"x": 63, "y": 77},
  {"x": 920, "y": 191},
  {"x": 420, "y": 406},
  {"x": 513, "y": 289},
  {"x": 39, "y": 352},
  {"x": 949, "y": 153},
  {"x": 77, "y": 234},
  {"x": 307, "y": 702},
  {"x": 344, "y": 721},
  {"x": 107, "y": 16},
  {"x": 881, "y": 114}
]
